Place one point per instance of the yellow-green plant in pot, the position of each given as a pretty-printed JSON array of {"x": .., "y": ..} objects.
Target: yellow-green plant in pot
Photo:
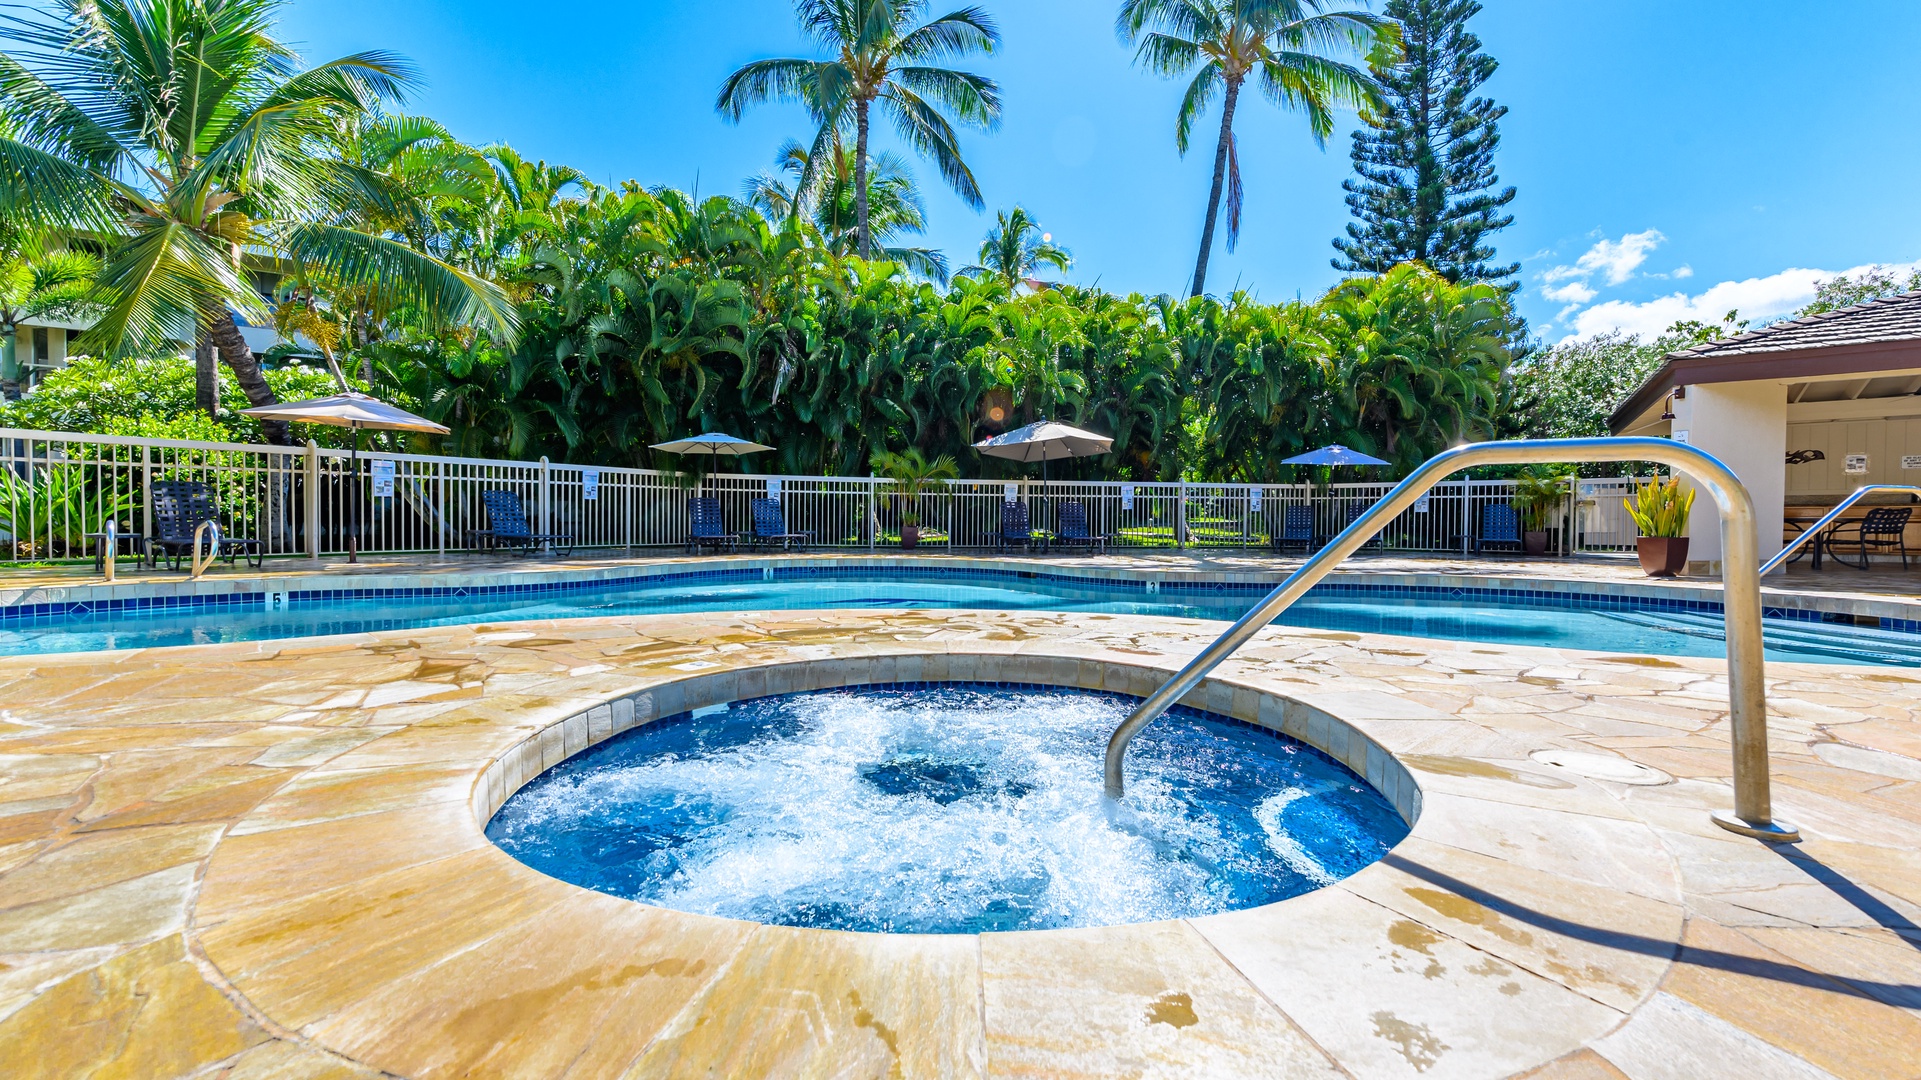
[{"x": 1660, "y": 511}]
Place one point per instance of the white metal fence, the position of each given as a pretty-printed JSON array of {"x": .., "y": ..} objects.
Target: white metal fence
[{"x": 56, "y": 489}]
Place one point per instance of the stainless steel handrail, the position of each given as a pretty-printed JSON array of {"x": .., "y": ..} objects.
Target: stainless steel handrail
[
  {"x": 1753, "y": 813},
  {"x": 196, "y": 565},
  {"x": 1828, "y": 519}
]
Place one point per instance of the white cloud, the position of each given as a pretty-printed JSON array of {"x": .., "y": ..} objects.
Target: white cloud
[
  {"x": 1683, "y": 271},
  {"x": 1614, "y": 260},
  {"x": 1574, "y": 292},
  {"x": 1759, "y": 300}
]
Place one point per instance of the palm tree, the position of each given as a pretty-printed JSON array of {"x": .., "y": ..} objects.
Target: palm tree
[
  {"x": 881, "y": 58},
  {"x": 1283, "y": 44},
  {"x": 1015, "y": 248},
  {"x": 894, "y": 204},
  {"x": 190, "y": 139}
]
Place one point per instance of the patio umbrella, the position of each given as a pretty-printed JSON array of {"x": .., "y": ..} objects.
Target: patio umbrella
[
  {"x": 1045, "y": 441},
  {"x": 715, "y": 445},
  {"x": 349, "y": 409},
  {"x": 1333, "y": 455}
]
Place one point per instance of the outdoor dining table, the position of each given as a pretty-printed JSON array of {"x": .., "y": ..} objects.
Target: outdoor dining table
[{"x": 1801, "y": 525}]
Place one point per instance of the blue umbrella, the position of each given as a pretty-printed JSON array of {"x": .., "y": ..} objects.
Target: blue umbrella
[{"x": 1333, "y": 455}]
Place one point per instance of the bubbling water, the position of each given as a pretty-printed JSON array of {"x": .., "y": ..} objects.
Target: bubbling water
[{"x": 951, "y": 809}]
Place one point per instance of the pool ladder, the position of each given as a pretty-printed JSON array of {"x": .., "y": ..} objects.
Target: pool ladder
[{"x": 1753, "y": 813}]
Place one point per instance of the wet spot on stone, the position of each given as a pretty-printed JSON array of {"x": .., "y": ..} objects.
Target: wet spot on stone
[
  {"x": 1174, "y": 1010},
  {"x": 1412, "y": 935},
  {"x": 1487, "y": 770},
  {"x": 1416, "y": 1042}
]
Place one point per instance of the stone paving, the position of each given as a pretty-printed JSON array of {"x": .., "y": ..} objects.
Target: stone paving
[{"x": 266, "y": 860}]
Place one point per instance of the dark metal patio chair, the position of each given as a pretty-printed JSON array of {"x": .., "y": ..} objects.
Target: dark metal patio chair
[
  {"x": 179, "y": 508},
  {"x": 1883, "y": 528},
  {"x": 708, "y": 529},
  {"x": 770, "y": 527},
  {"x": 507, "y": 526}
]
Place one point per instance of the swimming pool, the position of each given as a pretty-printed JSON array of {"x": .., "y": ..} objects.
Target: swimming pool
[
  {"x": 1614, "y": 624},
  {"x": 952, "y": 809}
]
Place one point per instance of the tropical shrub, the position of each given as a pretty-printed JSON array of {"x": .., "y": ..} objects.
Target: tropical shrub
[{"x": 48, "y": 511}]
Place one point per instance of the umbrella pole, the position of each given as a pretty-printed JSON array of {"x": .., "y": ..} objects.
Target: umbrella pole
[{"x": 353, "y": 500}]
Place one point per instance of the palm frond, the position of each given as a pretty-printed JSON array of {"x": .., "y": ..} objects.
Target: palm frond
[
  {"x": 958, "y": 33},
  {"x": 922, "y": 127},
  {"x": 41, "y": 191},
  {"x": 974, "y": 99},
  {"x": 396, "y": 274}
]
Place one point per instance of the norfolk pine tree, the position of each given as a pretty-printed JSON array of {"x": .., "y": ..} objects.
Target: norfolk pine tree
[{"x": 1426, "y": 186}]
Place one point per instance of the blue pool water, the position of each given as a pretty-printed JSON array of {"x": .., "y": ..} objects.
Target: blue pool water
[
  {"x": 954, "y": 809},
  {"x": 1471, "y": 619}
]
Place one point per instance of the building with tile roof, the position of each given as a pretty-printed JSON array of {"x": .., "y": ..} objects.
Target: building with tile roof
[{"x": 1804, "y": 411}]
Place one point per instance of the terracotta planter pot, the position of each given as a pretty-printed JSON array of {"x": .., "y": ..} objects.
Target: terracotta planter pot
[
  {"x": 1662, "y": 556},
  {"x": 909, "y": 537},
  {"x": 1534, "y": 542}
]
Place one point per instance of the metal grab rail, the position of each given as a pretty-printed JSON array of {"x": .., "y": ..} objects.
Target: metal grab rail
[
  {"x": 195, "y": 563},
  {"x": 1828, "y": 519},
  {"x": 1753, "y": 813}
]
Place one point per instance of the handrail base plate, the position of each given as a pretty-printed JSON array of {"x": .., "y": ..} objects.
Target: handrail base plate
[{"x": 1774, "y": 832}]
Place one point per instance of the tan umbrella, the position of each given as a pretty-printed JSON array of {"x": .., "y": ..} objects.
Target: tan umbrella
[
  {"x": 349, "y": 409},
  {"x": 1045, "y": 441}
]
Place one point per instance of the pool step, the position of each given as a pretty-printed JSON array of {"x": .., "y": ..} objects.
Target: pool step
[{"x": 1838, "y": 640}]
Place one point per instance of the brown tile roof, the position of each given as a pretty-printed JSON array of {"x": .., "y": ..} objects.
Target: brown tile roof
[
  {"x": 1880, "y": 335},
  {"x": 1891, "y": 318}
]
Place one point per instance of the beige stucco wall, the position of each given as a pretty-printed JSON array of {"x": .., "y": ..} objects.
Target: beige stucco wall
[{"x": 1745, "y": 425}]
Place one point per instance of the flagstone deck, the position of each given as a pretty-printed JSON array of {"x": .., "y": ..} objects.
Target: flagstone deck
[{"x": 264, "y": 860}]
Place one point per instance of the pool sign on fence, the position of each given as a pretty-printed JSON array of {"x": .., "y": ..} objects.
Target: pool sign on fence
[
  {"x": 1009, "y": 494},
  {"x": 383, "y": 479},
  {"x": 590, "y": 485},
  {"x": 1127, "y": 497},
  {"x": 773, "y": 487},
  {"x": 1253, "y": 500}
]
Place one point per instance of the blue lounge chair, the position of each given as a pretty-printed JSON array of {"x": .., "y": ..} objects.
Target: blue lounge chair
[
  {"x": 1015, "y": 528},
  {"x": 1500, "y": 525},
  {"x": 507, "y": 526},
  {"x": 770, "y": 527},
  {"x": 1297, "y": 527},
  {"x": 708, "y": 529},
  {"x": 1074, "y": 528}
]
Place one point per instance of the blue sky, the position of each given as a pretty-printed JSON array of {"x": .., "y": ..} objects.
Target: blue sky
[{"x": 1673, "y": 159}]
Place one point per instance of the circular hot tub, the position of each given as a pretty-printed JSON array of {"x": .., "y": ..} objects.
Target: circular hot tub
[{"x": 955, "y": 807}]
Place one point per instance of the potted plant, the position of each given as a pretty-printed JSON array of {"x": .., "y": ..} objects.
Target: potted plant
[
  {"x": 1660, "y": 512},
  {"x": 1538, "y": 494},
  {"x": 911, "y": 472}
]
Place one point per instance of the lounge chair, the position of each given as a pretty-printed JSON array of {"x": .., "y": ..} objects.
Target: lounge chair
[
  {"x": 770, "y": 527},
  {"x": 179, "y": 508},
  {"x": 1074, "y": 530},
  {"x": 1297, "y": 527},
  {"x": 1016, "y": 530},
  {"x": 1883, "y": 528},
  {"x": 1500, "y": 525},
  {"x": 708, "y": 529},
  {"x": 507, "y": 526}
]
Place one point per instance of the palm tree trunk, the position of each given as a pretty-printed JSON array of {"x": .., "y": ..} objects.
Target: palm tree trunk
[
  {"x": 246, "y": 371},
  {"x": 1220, "y": 180},
  {"x": 206, "y": 377},
  {"x": 860, "y": 181}
]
